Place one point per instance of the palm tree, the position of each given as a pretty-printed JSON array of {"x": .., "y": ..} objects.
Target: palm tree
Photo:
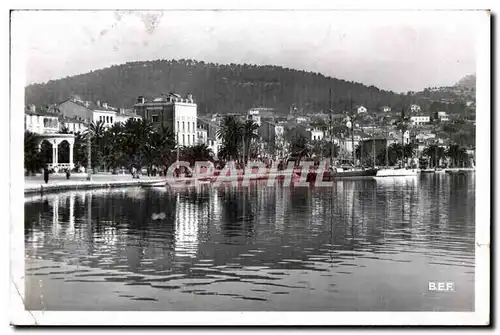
[
  {"x": 231, "y": 136},
  {"x": 136, "y": 134},
  {"x": 457, "y": 154},
  {"x": 80, "y": 149},
  {"x": 402, "y": 123},
  {"x": 32, "y": 156},
  {"x": 96, "y": 131},
  {"x": 159, "y": 147},
  {"x": 64, "y": 130},
  {"x": 434, "y": 153},
  {"x": 249, "y": 131},
  {"x": 199, "y": 152}
]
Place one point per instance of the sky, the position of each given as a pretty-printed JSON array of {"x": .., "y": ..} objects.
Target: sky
[{"x": 395, "y": 50}]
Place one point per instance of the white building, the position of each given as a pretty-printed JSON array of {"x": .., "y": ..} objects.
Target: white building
[
  {"x": 73, "y": 125},
  {"x": 301, "y": 119},
  {"x": 201, "y": 136},
  {"x": 46, "y": 127},
  {"x": 124, "y": 115},
  {"x": 87, "y": 111},
  {"x": 415, "y": 108},
  {"x": 254, "y": 114},
  {"x": 362, "y": 109},
  {"x": 173, "y": 111},
  {"x": 442, "y": 116},
  {"x": 420, "y": 119},
  {"x": 317, "y": 134},
  {"x": 40, "y": 123}
]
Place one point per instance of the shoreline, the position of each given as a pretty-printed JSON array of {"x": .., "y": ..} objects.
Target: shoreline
[{"x": 86, "y": 185}]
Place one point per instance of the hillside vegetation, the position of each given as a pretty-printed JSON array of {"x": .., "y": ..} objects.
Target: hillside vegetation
[{"x": 220, "y": 88}]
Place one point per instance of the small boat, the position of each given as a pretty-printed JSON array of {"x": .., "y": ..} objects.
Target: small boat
[
  {"x": 349, "y": 173},
  {"x": 429, "y": 170},
  {"x": 456, "y": 172},
  {"x": 388, "y": 173}
]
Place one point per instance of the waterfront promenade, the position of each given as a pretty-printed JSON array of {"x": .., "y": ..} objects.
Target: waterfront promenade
[{"x": 78, "y": 181}]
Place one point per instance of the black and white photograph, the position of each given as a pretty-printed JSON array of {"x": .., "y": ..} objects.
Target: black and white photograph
[{"x": 245, "y": 161}]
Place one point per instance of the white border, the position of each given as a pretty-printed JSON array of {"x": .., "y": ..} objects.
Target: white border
[{"x": 480, "y": 316}]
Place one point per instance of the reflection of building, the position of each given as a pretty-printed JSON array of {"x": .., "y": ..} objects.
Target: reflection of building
[{"x": 186, "y": 229}]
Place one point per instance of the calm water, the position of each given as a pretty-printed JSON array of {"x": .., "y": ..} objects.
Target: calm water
[{"x": 363, "y": 245}]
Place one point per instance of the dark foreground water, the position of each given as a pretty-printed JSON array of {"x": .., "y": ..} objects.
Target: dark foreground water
[{"x": 363, "y": 245}]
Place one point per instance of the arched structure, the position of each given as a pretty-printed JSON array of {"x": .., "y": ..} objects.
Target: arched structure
[{"x": 55, "y": 140}]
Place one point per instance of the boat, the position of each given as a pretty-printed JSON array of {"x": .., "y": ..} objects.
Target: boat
[
  {"x": 355, "y": 172},
  {"x": 388, "y": 173},
  {"x": 429, "y": 170}
]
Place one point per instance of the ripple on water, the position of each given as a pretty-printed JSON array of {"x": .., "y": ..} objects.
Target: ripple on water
[{"x": 244, "y": 244}]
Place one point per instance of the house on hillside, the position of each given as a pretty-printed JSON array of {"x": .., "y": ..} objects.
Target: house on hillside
[
  {"x": 362, "y": 110},
  {"x": 415, "y": 108}
]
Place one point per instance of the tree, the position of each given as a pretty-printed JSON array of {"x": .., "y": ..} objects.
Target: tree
[
  {"x": 32, "y": 156},
  {"x": 199, "y": 152},
  {"x": 402, "y": 124},
  {"x": 249, "y": 134},
  {"x": 230, "y": 134},
  {"x": 96, "y": 131},
  {"x": 434, "y": 153},
  {"x": 135, "y": 142},
  {"x": 457, "y": 154}
]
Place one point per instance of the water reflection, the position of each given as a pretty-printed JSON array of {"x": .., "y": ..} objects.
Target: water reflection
[{"x": 284, "y": 248}]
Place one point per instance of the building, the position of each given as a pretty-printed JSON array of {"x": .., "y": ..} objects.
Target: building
[
  {"x": 173, "y": 111},
  {"x": 317, "y": 134},
  {"x": 46, "y": 127},
  {"x": 415, "y": 108},
  {"x": 385, "y": 109},
  {"x": 123, "y": 115},
  {"x": 443, "y": 116},
  {"x": 211, "y": 129},
  {"x": 201, "y": 135},
  {"x": 41, "y": 122},
  {"x": 88, "y": 111},
  {"x": 362, "y": 109},
  {"x": 420, "y": 119},
  {"x": 72, "y": 125},
  {"x": 301, "y": 120}
]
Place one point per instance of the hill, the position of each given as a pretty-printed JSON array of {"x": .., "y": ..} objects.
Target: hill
[
  {"x": 468, "y": 82},
  {"x": 217, "y": 88}
]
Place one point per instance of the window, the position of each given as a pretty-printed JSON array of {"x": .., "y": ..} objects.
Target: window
[
  {"x": 178, "y": 126},
  {"x": 183, "y": 127},
  {"x": 188, "y": 127},
  {"x": 183, "y": 139},
  {"x": 111, "y": 119},
  {"x": 107, "y": 119},
  {"x": 154, "y": 118},
  {"x": 194, "y": 127},
  {"x": 193, "y": 139},
  {"x": 189, "y": 139}
]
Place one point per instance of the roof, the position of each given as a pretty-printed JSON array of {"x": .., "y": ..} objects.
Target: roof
[
  {"x": 41, "y": 113},
  {"x": 91, "y": 105},
  {"x": 72, "y": 120}
]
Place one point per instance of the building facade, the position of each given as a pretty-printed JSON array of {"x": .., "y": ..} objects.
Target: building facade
[
  {"x": 420, "y": 119},
  {"x": 173, "y": 111}
]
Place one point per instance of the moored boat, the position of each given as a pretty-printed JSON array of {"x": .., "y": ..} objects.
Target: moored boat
[{"x": 385, "y": 173}]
